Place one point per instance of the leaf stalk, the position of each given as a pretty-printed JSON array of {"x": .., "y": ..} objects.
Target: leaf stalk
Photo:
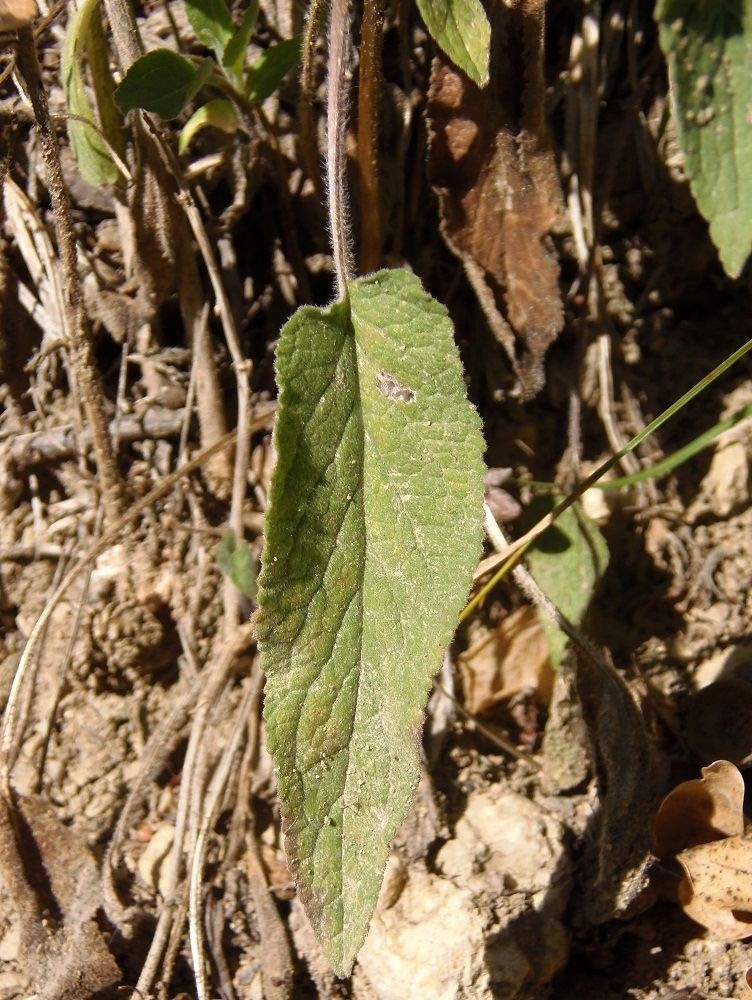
[{"x": 336, "y": 156}]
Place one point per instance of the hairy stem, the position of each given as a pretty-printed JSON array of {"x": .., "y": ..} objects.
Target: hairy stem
[
  {"x": 308, "y": 142},
  {"x": 79, "y": 342},
  {"x": 336, "y": 157},
  {"x": 371, "y": 37}
]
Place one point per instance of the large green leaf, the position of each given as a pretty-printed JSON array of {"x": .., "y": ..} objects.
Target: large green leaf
[
  {"x": 373, "y": 529},
  {"x": 708, "y": 46},
  {"x": 461, "y": 29},
  {"x": 161, "y": 82},
  {"x": 87, "y": 143}
]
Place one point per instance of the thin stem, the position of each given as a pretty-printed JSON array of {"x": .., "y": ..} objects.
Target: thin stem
[
  {"x": 314, "y": 19},
  {"x": 8, "y": 748},
  {"x": 666, "y": 465},
  {"x": 79, "y": 343},
  {"x": 371, "y": 37},
  {"x": 336, "y": 157},
  {"x": 489, "y": 564}
]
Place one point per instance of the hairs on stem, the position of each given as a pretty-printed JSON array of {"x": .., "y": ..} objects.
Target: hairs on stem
[{"x": 336, "y": 158}]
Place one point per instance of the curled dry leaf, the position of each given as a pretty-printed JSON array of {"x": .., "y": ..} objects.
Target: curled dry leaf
[
  {"x": 505, "y": 660},
  {"x": 617, "y": 859},
  {"x": 701, "y": 822},
  {"x": 493, "y": 168},
  {"x": 16, "y": 14},
  {"x": 700, "y": 811},
  {"x": 717, "y": 889},
  {"x": 52, "y": 877}
]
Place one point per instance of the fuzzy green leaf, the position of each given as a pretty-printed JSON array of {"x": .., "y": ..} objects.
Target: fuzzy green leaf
[
  {"x": 373, "y": 528},
  {"x": 212, "y": 22},
  {"x": 267, "y": 72},
  {"x": 708, "y": 46},
  {"x": 568, "y": 561},
  {"x": 87, "y": 144},
  {"x": 161, "y": 82},
  {"x": 219, "y": 113},
  {"x": 461, "y": 29}
]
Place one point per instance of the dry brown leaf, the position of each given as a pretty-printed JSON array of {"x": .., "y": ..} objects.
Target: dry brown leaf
[
  {"x": 700, "y": 811},
  {"x": 717, "y": 889},
  {"x": 493, "y": 168},
  {"x": 504, "y": 660},
  {"x": 52, "y": 878},
  {"x": 625, "y": 769},
  {"x": 16, "y": 14}
]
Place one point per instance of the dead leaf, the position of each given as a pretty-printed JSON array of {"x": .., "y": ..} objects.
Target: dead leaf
[
  {"x": 53, "y": 880},
  {"x": 505, "y": 660},
  {"x": 16, "y": 14},
  {"x": 717, "y": 890},
  {"x": 494, "y": 171},
  {"x": 700, "y": 811},
  {"x": 625, "y": 770}
]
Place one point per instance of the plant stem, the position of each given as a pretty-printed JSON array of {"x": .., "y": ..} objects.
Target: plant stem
[
  {"x": 79, "y": 342},
  {"x": 308, "y": 142},
  {"x": 336, "y": 157},
  {"x": 9, "y": 745},
  {"x": 514, "y": 550},
  {"x": 371, "y": 38}
]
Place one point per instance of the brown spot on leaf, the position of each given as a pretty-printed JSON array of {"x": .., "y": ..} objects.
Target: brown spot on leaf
[
  {"x": 494, "y": 171},
  {"x": 393, "y": 389}
]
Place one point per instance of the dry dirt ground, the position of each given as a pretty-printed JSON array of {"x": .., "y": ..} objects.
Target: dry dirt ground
[{"x": 144, "y": 797}]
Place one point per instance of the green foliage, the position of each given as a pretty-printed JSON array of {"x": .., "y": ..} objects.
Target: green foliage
[
  {"x": 270, "y": 68},
  {"x": 567, "y": 561},
  {"x": 87, "y": 143},
  {"x": 212, "y": 22},
  {"x": 219, "y": 113},
  {"x": 709, "y": 51},
  {"x": 233, "y": 58},
  {"x": 373, "y": 528},
  {"x": 235, "y": 559},
  {"x": 161, "y": 82},
  {"x": 461, "y": 29}
]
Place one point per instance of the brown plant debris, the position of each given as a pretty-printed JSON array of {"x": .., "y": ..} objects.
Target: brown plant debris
[
  {"x": 701, "y": 822},
  {"x": 493, "y": 168},
  {"x": 53, "y": 880}
]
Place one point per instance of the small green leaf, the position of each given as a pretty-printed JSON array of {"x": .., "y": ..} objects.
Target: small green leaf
[
  {"x": 567, "y": 561},
  {"x": 708, "y": 46},
  {"x": 219, "y": 113},
  {"x": 212, "y": 22},
  {"x": 372, "y": 532},
  {"x": 87, "y": 144},
  {"x": 235, "y": 560},
  {"x": 161, "y": 82},
  {"x": 461, "y": 29},
  {"x": 234, "y": 55},
  {"x": 267, "y": 72}
]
